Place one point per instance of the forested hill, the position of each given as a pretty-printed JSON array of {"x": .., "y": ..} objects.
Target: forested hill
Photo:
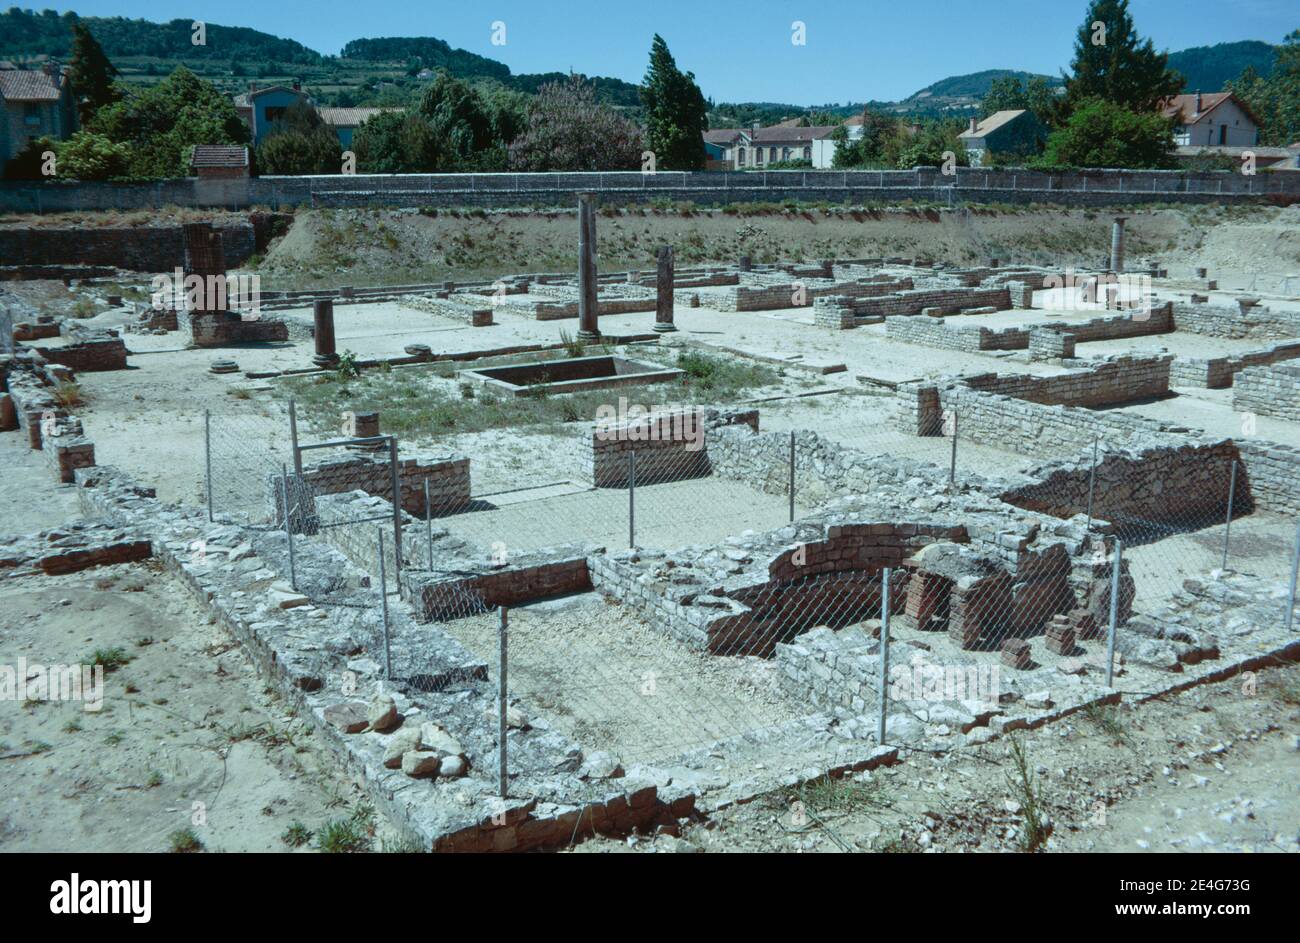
[{"x": 24, "y": 33}]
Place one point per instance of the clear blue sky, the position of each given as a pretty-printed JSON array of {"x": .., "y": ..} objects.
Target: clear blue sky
[{"x": 856, "y": 49}]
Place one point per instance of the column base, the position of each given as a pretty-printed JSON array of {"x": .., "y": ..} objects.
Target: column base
[
  {"x": 664, "y": 327},
  {"x": 325, "y": 360},
  {"x": 590, "y": 336}
]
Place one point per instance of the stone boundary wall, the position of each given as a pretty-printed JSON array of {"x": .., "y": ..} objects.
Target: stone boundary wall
[
  {"x": 303, "y": 657},
  {"x": 1234, "y": 322},
  {"x": 1018, "y": 185},
  {"x": 1219, "y": 372},
  {"x": 1036, "y": 430},
  {"x": 137, "y": 248},
  {"x": 1269, "y": 391},
  {"x": 1022, "y": 426}
]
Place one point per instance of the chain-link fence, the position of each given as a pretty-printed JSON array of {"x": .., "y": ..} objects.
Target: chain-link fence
[
  {"x": 245, "y": 450},
  {"x": 1106, "y": 544}
]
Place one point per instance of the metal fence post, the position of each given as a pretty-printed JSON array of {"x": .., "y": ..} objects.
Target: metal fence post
[
  {"x": 288, "y": 525},
  {"x": 1295, "y": 567},
  {"x": 1092, "y": 482},
  {"x": 207, "y": 457},
  {"x": 383, "y": 600},
  {"x": 428, "y": 522},
  {"x": 884, "y": 655},
  {"x": 293, "y": 438},
  {"x": 1227, "y": 524},
  {"x": 1114, "y": 613},
  {"x": 952, "y": 465},
  {"x": 631, "y": 500},
  {"x": 397, "y": 514},
  {"x": 502, "y": 644},
  {"x": 792, "y": 458}
]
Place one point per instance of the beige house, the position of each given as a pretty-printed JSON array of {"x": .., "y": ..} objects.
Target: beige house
[
  {"x": 1217, "y": 119},
  {"x": 34, "y": 103}
]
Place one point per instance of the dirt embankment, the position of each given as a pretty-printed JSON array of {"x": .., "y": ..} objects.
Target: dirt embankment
[{"x": 359, "y": 247}]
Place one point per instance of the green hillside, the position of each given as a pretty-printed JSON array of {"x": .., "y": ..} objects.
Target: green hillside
[
  {"x": 1209, "y": 68},
  {"x": 24, "y": 33},
  {"x": 975, "y": 84}
]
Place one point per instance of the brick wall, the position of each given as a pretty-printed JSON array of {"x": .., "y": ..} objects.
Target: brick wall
[
  {"x": 664, "y": 445},
  {"x": 448, "y": 477},
  {"x": 91, "y": 354},
  {"x": 222, "y": 329}
]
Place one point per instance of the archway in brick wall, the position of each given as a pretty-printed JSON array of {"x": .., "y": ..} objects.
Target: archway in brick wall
[{"x": 938, "y": 582}]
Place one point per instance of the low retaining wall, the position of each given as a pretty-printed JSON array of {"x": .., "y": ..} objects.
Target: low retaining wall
[
  {"x": 880, "y": 306},
  {"x": 1146, "y": 492},
  {"x": 1120, "y": 380},
  {"x": 1269, "y": 391},
  {"x": 137, "y": 248},
  {"x": 1219, "y": 372},
  {"x": 1234, "y": 321}
]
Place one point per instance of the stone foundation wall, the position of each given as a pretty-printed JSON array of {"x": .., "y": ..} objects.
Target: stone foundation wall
[
  {"x": 1269, "y": 391},
  {"x": 936, "y": 332},
  {"x": 1231, "y": 321},
  {"x": 1120, "y": 380},
  {"x": 475, "y": 316},
  {"x": 1219, "y": 372},
  {"x": 671, "y": 445},
  {"x": 947, "y": 301},
  {"x": 1272, "y": 474},
  {"x": 1153, "y": 489}
]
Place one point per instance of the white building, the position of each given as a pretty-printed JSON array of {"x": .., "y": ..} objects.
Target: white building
[{"x": 1217, "y": 119}]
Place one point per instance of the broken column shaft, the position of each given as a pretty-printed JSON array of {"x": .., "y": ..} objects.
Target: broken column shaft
[
  {"x": 664, "y": 291},
  {"x": 588, "y": 310},
  {"x": 1117, "y": 245},
  {"x": 323, "y": 316}
]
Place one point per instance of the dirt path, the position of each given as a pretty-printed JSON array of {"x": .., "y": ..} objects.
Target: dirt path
[{"x": 188, "y": 736}]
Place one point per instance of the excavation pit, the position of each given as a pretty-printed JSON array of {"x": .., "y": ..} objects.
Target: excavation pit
[{"x": 570, "y": 376}]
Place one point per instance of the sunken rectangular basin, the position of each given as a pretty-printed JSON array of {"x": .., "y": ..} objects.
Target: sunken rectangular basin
[{"x": 570, "y": 376}]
